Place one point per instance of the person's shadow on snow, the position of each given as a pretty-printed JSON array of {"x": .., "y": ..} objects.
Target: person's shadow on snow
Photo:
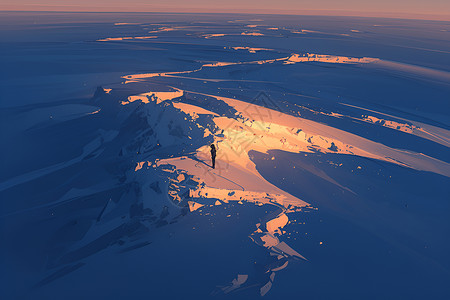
[{"x": 198, "y": 160}]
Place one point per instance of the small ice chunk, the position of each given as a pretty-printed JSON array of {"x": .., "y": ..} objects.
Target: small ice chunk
[
  {"x": 285, "y": 249},
  {"x": 280, "y": 267},
  {"x": 266, "y": 288},
  {"x": 275, "y": 225},
  {"x": 194, "y": 205},
  {"x": 181, "y": 177},
  {"x": 236, "y": 283},
  {"x": 269, "y": 240}
]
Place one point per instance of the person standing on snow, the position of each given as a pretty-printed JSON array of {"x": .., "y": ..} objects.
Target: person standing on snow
[{"x": 213, "y": 156}]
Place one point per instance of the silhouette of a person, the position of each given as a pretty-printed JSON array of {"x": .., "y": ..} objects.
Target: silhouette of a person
[{"x": 213, "y": 156}]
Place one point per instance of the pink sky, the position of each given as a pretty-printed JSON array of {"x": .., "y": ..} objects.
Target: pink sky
[{"x": 420, "y": 9}]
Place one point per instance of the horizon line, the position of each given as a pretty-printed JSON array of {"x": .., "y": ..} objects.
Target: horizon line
[{"x": 325, "y": 13}]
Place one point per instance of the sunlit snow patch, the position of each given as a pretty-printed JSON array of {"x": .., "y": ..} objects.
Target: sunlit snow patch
[
  {"x": 251, "y": 49},
  {"x": 310, "y": 57},
  {"x": 158, "y": 96},
  {"x": 252, "y": 33},
  {"x": 126, "y": 38}
]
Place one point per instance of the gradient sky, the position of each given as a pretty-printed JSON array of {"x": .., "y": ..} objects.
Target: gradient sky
[{"x": 421, "y": 9}]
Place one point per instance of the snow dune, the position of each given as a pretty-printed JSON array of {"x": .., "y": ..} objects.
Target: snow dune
[
  {"x": 47, "y": 116},
  {"x": 426, "y": 131},
  {"x": 414, "y": 71},
  {"x": 236, "y": 178},
  {"x": 430, "y": 132}
]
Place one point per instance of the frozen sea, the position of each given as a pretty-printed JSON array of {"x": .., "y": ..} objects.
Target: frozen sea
[{"x": 332, "y": 170}]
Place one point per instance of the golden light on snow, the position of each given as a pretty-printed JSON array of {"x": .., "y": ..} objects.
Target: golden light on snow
[{"x": 236, "y": 179}]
